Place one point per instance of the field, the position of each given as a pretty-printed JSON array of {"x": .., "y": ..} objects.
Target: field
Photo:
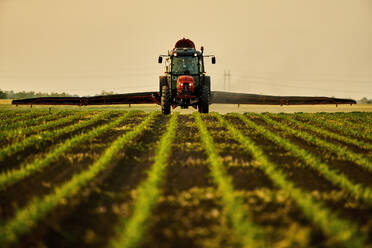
[{"x": 82, "y": 177}]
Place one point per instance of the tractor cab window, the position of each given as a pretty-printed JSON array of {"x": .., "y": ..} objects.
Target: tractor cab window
[{"x": 185, "y": 65}]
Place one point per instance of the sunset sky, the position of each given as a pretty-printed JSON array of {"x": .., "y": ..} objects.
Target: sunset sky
[{"x": 286, "y": 47}]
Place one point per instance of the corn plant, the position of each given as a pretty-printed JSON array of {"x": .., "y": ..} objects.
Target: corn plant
[
  {"x": 13, "y": 176},
  {"x": 339, "y": 150},
  {"x": 325, "y": 133},
  {"x": 334, "y": 176},
  {"x": 248, "y": 232},
  {"x": 338, "y": 229},
  {"x": 26, "y": 218},
  {"x": 38, "y": 139},
  {"x": 149, "y": 191}
]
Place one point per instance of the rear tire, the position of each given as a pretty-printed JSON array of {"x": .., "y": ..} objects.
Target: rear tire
[
  {"x": 165, "y": 100},
  {"x": 204, "y": 100}
]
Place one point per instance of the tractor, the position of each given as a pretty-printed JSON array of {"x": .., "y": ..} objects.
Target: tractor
[{"x": 185, "y": 82}]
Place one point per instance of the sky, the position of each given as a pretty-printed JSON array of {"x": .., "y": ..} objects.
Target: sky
[{"x": 286, "y": 47}]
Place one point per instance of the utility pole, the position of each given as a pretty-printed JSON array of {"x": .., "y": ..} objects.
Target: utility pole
[{"x": 226, "y": 80}]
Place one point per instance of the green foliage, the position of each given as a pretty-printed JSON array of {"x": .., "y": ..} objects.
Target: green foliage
[
  {"x": 323, "y": 132},
  {"x": 148, "y": 192},
  {"x": 21, "y": 116},
  {"x": 339, "y": 150},
  {"x": 249, "y": 233},
  {"x": 26, "y": 218},
  {"x": 340, "y": 231},
  {"x": 335, "y": 177},
  {"x": 338, "y": 127},
  {"x": 358, "y": 124},
  {"x": 276, "y": 210},
  {"x": 37, "y": 120},
  {"x": 3, "y": 95},
  {"x": 17, "y": 130},
  {"x": 37, "y": 139},
  {"x": 10, "y": 177}
]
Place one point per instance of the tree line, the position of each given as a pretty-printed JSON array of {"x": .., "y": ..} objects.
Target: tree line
[{"x": 29, "y": 94}]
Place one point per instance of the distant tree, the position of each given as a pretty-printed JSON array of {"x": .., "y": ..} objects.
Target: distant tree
[
  {"x": 105, "y": 93},
  {"x": 31, "y": 94},
  {"x": 3, "y": 95},
  {"x": 365, "y": 100}
]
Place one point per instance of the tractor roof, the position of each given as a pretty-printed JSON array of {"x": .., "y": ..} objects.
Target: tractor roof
[
  {"x": 184, "y": 47},
  {"x": 184, "y": 43}
]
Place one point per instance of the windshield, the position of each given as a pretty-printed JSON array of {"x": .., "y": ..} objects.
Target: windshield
[{"x": 185, "y": 65}]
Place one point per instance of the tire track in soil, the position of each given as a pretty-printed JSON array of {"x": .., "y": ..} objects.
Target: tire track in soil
[
  {"x": 60, "y": 171},
  {"x": 97, "y": 209},
  {"x": 30, "y": 153},
  {"x": 189, "y": 210}
]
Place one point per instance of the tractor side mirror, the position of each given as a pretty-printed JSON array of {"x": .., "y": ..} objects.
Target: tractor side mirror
[
  {"x": 160, "y": 59},
  {"x": 213, "y": 60}
]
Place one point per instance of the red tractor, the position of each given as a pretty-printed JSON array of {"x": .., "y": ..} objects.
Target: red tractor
[{"x": 185, "y": 82}]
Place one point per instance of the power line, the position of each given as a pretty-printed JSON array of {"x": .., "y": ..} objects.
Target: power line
[{"x": 226, "y": 80}]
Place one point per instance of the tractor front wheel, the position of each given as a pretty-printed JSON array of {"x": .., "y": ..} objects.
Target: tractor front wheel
[
  {"x": 165, "y": 100},
  {"x": 204, "y": 100}
]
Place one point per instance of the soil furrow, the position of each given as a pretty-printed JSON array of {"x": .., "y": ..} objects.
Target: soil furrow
[
  {"x": 109, "y": 197},
  {"x": 29, "y": 153},
  {"x": 72, "y": 162}
]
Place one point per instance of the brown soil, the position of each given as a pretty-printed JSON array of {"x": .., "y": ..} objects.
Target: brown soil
[
  {"x": 353, "y": 171},
  {"x": 99, "y": 208},
  {"x": 190, "y": 211},
  {"x": 74, "y": 161},
  {"x": 29, "y": 153},
  {"x": 302, "y": 176}
]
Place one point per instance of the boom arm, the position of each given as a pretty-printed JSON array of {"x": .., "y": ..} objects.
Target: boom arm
[
  {"x": 154, "y": 97},
  {"x": 130, "y": 98},
  {"x": 244, "y": 98}
]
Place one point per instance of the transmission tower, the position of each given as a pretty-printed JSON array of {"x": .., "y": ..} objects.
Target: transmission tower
[{"x": 226, "y": 80}]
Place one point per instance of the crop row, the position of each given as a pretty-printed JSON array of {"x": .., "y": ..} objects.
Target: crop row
[
  {"x": 131, "y": 231},
  {"x": 325, "y": 133},
  {"x": 10, "y": 114},
  {"x": 27, "y": 217},
  {"x": 13, "y": 176},
  {"x": 37, "y": 139},
  {"x": 357, "y": 122},
  {"x": 311, "y": 161},
  {"x": 247, "y": 231},
  {"x": 359, "y": 117},
  {"x": 339, "y": 150},
  {"x": 338, "y": 229},
  {"x": 21, "y": 117},
  {"x": 11, "y": 134},
  {"x": 336, "y": 126},
  {"x": 34, "y": 121}
]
